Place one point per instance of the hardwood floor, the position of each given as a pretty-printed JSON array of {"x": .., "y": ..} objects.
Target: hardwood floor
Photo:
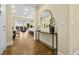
[{"x": 26, "y": 45}]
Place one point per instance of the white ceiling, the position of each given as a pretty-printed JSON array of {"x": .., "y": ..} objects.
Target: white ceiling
[
  {"x": 18, "y": 9},
  {"x": 33, "y": 5}
]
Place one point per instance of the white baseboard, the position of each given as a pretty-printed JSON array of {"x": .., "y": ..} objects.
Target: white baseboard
[
  {"x": 3, "y": 50},
  {"x": 60, "y": 53},
  {"x": 10, "y": 44}
]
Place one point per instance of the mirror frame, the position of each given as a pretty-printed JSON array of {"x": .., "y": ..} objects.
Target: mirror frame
[{"x": 43, "y": 16}]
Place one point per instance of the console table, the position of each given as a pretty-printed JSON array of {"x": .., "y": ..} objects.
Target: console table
[{"x": 53, "y": 35}]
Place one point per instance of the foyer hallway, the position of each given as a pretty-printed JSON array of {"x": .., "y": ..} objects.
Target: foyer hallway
[{"x": 26, "y": 45}]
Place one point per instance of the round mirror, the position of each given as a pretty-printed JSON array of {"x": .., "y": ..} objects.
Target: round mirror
[
  {"x": 46, "y": 20},
  {"x": 46, "y": 17}
]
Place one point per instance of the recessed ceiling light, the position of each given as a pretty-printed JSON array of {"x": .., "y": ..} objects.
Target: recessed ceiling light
[
  {"x": 12, "y": 6},
  {"x": 13, "y": 11},
  {"x": 24, "y": 13},
  {"x": 26, "y": 9}
]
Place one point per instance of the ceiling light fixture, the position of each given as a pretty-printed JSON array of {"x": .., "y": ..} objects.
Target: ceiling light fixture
[
  {"x": 13, "y": 11},
  {"x": 12, "y": 6},
  {"x": 26, "y": 9},
  {"x": 24, "y": 13}
]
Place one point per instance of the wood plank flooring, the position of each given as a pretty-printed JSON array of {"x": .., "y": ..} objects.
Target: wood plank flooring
[{"x": 26, "y": 45}]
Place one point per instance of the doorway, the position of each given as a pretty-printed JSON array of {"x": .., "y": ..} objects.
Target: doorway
[{"x": 23, "y": 20}]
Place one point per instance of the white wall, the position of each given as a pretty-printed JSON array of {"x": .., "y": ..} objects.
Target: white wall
[
  {"x": 35, "y": 15},
  {"x": 9, "y": 26},
  {"x": 74, "y": 28},
  {"x": 46, "y": 37},
  {"x": 3, "y": 42},
  {"x": 61, "y": 14}
]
